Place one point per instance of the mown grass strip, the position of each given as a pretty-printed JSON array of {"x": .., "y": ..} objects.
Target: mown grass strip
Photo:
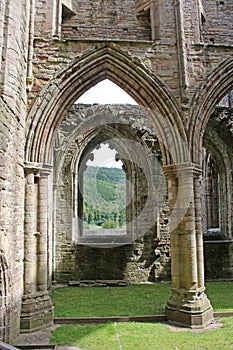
[
  {"x": 133, "y": 300},
  {"x": 142, "y": 336}
]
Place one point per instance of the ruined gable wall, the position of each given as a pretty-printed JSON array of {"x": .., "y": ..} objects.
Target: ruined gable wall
[
  {"x": 114, "y": 21},
  {"x": 182, "y": 55}
]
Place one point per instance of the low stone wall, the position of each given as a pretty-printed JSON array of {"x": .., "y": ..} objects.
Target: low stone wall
[
  {"x": 218, "y": 259},
  {"x": 148, "y": 259}
]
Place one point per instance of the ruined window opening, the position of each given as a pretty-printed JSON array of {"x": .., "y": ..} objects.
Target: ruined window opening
[
  {"x": 66, "y": 13},
  {"x": 102, "y": 198},
  {"x": 148, "y": 12},
  {"x": 212, "y": 197},
  {"x": 213, "y": 200},
  {"x": 119, "y": 219},
  {"x": 202, "y": 16},
  {"x": 203, "y": 20}
]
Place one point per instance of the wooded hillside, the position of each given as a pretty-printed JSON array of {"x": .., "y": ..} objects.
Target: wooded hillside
[{"x": 104, "y": 197}]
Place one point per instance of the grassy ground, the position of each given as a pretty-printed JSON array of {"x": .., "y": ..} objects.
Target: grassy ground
[
  {"x": 129, "y": 301},
  {"x": 136, "y": 300},
  {"x": 113, "y": 301},
  {"x": 142, "y": 336}
]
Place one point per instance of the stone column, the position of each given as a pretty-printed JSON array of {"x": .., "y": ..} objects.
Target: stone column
[
  {"x": 43, "y": 230},
  {"x": 30, "y": 232},
  {"x": 199, "y": 232},
  {"x": 37, "y": 309},
  {"x": 188, "y": 305}
]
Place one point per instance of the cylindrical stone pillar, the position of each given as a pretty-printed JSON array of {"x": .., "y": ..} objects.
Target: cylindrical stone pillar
[
  {"x": 174, "y": 236},
  {"x": 188, "y": 305},
  {"x": 36, "y": 308},
  {"x": 30, "y": 261},
  {"x": 199, "y": 233},
  {"x": 43, "y": 230},
  {"x": 187, "y": 229}
]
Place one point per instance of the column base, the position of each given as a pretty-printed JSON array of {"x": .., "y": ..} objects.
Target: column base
[
  {"x": 36, "y": 312},
  {"x": 195, "y": 313}
]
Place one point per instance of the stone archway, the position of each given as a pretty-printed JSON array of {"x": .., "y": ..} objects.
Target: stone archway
[
  {"x": 106, "y": 61},
  {"x": 217, "y": 84},
  {"x": 188, "y": 304},
  {"x": 218, "y": 192},
  {"x": 142, "y": 207},
  {"x": 221, "y": 158}
]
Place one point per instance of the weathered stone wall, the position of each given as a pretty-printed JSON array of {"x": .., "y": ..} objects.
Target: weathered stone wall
[
  {"x": 145, "y": 260},
  {"x": 40, "y": 39},
  {"x": 106, "y": 19},
  {"x": 14, "y": 30},
  {"x": 218, "y": 260},
  {"x": 218, "y": 25},
  {"x": 11, "y": 218},
  {"x": 14, "y": 21},
  {"x": 183, "y": 67}
]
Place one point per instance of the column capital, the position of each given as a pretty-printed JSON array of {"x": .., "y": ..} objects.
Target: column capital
[
  {"x": 46, "y": 170},
  {"x": 176, "y": 170},
  {"x": 39, "y": 169},
  {"x": 32, "y": 167}
]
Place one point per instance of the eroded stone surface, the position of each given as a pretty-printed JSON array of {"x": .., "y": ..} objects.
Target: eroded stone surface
[{"x": 176, "y": 61}]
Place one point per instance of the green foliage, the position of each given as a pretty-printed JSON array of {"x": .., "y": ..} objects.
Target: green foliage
[
  {"x": 104, "y": 195},
  {"x": 109, "y": 224},
  {"x": 106, "y": 190}
]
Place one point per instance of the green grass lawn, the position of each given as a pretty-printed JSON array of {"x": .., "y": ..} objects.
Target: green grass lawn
[
  {"x": 113, "y": 301},
  {"x": 136, "y": 300},
  {"x": 143, "y": 336},
  {"x": 220, "y": 295},
  {"x": 129, "y": 301}
]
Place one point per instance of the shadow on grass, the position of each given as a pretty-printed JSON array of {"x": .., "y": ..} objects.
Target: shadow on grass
[{"x": 88, "y": 337}]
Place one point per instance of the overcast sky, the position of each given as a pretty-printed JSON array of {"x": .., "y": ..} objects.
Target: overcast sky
[
  {"x": 106, "y": 92},
  {"x": 105, "y": 157}
]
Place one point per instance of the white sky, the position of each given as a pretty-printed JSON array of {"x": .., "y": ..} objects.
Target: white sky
[
  {"x": 104, "y": 157},
  {"x": 106, "y": 92}
]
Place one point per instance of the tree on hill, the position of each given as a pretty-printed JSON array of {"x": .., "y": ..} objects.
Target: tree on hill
[{"x": 104, "y": 196}]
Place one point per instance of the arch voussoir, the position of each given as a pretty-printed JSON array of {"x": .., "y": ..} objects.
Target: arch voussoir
[{"x": 107, "y": 61}]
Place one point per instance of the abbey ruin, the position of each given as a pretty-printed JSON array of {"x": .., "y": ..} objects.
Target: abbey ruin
[{"x": 175, "y": 59}]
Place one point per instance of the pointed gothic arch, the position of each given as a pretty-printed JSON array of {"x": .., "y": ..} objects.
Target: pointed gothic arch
[
  {"x": 221, "y": 154},
  {"x": 215, "y": 87},
  {"x": 106, "y": 61},
  {"x": 135, "y": 154},
  {"x": 167, "y": 120}
]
